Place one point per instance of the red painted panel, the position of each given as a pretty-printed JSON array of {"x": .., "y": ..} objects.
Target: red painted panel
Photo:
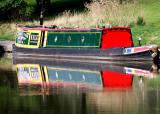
[
  {"x": 116, "y": 79},
  {"x": 116, "y": 37}
]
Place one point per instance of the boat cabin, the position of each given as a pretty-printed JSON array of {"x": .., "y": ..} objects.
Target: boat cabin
[{"x": 45, "y": 37}]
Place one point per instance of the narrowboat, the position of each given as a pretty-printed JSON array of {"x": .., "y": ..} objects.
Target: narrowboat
[{"x": 113, "y": 43}]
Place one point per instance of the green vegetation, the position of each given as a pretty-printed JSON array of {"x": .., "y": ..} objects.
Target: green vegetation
[
  {"x": 5, "y": 60},
  {"x": 141, "y": 15},
  {"x": 150, "y": 32},
  {"x": 14, "y": 9}
]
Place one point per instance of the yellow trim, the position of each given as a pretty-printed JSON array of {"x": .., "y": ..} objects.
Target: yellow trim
[
  {"x": 27, "y": 65},
  {"x": 69, "y": 46},
  {"x": 26, "y": 46},
  {"x": 39, "y": 37},
  {"x": 46, "y": 73},
  {"x": 53, "y": 32},
  {"x": 42, "y": 73},
  {"x": 45, "y": 39},
  {"x": 69, "y": 69}
]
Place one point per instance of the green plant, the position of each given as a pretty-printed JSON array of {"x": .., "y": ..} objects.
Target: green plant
[
  {"x": 140, "y": 21},
  {"x": 132, "y": 24}
]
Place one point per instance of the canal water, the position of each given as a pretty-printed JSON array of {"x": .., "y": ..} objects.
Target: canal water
[{"x": 74, "y": 88}]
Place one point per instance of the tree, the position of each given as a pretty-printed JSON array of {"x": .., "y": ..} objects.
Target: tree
[
  {"x": 14, "y": 9},
  {"x": 46, "y": 4}
]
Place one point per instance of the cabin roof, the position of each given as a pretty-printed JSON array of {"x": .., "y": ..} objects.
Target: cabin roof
[{"x": 45, "y": 28}]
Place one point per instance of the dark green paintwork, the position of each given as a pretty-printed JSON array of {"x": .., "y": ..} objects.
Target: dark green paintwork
[
  {"x": 70, "y": 38},
  {"x": 66, "y": 38}
]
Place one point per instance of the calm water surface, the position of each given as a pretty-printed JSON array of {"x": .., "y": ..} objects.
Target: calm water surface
[{"x": 30, "y": 88}]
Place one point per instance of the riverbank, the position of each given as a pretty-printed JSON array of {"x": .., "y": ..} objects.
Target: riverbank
[
  {"x": 6, "y": 46},
  {"x": 142, "y": 16}
]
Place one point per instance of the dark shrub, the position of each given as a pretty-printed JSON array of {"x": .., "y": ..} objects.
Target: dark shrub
[
  {"x": 14, "y": 9},
  {"x": 140, "y": 21}
]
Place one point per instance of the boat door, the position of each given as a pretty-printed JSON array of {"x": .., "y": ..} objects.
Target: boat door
[
  {"x": 28, "y": 38},
  {"x": 35, "y": 39}
]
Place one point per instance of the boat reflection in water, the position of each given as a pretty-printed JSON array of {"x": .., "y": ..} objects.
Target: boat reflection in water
[
  {"x": 62, "y": 76},
  {"x": 52, "y": 79}
]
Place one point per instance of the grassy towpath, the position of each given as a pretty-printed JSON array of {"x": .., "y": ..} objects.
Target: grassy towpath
[{"x": 150, "y": 32}]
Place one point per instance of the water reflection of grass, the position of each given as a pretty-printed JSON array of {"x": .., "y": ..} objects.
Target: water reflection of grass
[
  {"x": 148, "y": 82},
  {"x": 5, "y": 61},
  {"x": 14, "y": 103},
  {"x": 153, "y": 83}
]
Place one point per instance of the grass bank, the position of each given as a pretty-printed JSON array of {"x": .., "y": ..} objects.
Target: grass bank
[
  {"x": 141, "y": 15},
  {"x": 150, "y": 32}
]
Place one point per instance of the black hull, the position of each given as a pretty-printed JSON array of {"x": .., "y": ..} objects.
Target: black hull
[
  {"x": 85, "y": 54},
  {"x": 66, "y": 63}
]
